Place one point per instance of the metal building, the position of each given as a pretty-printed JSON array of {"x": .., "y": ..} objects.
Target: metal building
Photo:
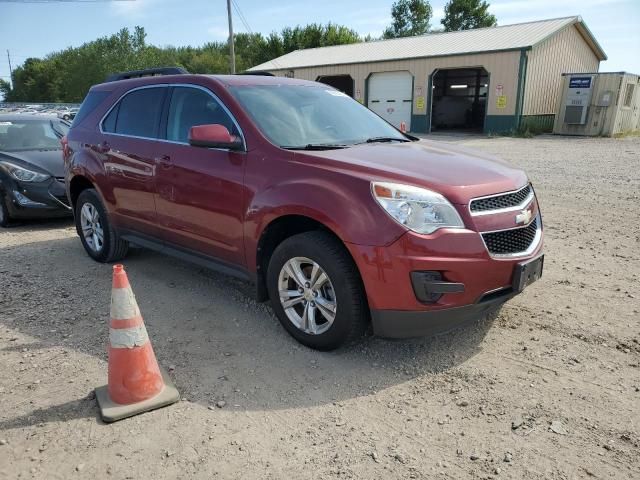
[
  {"x": 493, "y": 79},
  {"x": 599, "y": 104}
]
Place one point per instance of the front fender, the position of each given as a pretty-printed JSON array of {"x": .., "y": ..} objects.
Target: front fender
[
  {"x": 85, "y": 164},
  {"x": 342, "y": 203}
]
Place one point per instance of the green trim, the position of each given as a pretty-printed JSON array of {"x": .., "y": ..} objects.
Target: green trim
[
  {"x": 579, "y": 24},
  {"x": 366, "y": 91},
  {"x": 419, "y": 123},
  {"x": 522, "y": 74},
  {"x": 500, "y": 124},
  {"x": 430, "y": 99},
  {"x": 413, "y": 90},
  {"x": 536, "y": 124},
  {"x": 603, "y": 55}
]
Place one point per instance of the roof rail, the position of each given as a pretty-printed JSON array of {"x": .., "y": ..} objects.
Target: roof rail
[
  {"x": 262, "y": 73},
  {"x": 147, "y": 72}
]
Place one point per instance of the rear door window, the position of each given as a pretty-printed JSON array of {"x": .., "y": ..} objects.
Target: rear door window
[
  {"x": 192, "y": 106},
  {"x": 137, "y": 114}
]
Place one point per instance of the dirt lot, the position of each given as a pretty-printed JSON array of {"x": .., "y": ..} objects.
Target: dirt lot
[{"x": 550, "y": 389}]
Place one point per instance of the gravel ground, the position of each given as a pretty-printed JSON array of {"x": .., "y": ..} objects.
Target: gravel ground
[{"x": 550, "y": 389}]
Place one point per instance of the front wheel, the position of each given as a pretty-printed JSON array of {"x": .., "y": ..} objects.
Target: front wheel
[
  {"x": 316, "y": 291},
  {"x": 98, "y": 237},
  {"x": 5, "y": 217}
]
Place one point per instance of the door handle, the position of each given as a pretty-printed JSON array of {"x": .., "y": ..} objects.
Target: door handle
[{"x": 164, "y": 161}]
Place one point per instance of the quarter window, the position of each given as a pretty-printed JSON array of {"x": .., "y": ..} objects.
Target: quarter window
[
  {"x": 90, "y": 102},
  {"x": 137, "y": 114},
  {"x": 190, "y": 107}
]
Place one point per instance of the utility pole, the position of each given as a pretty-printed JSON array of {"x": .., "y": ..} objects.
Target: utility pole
[
  {"x": 232, "y": 53},
  {"x": 10, "y": 69}
]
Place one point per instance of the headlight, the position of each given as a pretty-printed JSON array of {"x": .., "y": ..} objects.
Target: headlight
[
  {"x": 23, "y": 174},
  {"x": 419, "y": 209}
]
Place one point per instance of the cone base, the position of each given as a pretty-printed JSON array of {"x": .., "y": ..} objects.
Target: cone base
[{"x": 112, "y": 412}]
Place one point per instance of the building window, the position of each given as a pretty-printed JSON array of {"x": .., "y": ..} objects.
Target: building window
[{"x": 628, "y": 94}]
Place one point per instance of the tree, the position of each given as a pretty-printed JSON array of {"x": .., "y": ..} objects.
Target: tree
[
  {"x": 5, "y": 88},
  {"x": 467, "y": 14},
  {"x": 66, "y": 76},
  {"x": 410, "y": 17}
]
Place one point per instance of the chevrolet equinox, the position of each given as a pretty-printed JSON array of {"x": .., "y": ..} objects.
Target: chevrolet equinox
[{"x": 337, "y": 217}]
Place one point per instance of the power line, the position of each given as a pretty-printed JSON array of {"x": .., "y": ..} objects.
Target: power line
[{"x": 241, "y": 16}]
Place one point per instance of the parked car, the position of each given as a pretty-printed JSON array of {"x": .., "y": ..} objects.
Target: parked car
[
  {"x": 31, "y": 167},
  {"x": 67, "y": 113},
  {"x": 339, "y": 218}
]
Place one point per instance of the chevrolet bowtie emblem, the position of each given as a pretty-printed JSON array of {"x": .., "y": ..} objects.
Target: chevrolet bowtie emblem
[{"x": 524, "y": 217}]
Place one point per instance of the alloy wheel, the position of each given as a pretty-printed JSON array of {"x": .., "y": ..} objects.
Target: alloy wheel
[
  {"x": 91, "y": 227},
  {"x": 307, "y": 295}
]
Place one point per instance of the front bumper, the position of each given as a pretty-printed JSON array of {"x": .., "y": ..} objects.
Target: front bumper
[
  {"x": 474, "y": 281},
  {"x": 408, "y": 324},
  {"x": 36, "y": 200}
]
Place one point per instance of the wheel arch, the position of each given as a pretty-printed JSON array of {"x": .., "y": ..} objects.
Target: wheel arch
[
  {"x": 278, "y": 230},
  {"x": 77, "y": 185}
]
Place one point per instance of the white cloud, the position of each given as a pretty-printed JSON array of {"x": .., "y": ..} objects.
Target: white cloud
[
  {"x": 129, "y": 8},
  {"x": 219, "y": 32}
]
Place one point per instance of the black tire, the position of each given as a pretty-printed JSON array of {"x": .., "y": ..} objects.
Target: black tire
[
  {"x": 352, "y": 311},
  {"x": 5, "y": 216},
  {"x": 113, "y": 248}
]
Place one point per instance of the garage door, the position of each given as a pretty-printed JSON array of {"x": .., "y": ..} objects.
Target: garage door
[{"x": 390, "y": 96}]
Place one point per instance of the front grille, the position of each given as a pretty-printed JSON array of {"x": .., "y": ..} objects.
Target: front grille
[
  {"x": 498, "y": 202},
  {"x": 506, "y": 242}
]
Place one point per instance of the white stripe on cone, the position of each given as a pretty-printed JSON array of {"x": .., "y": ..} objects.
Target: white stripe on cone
[
  {"x": 128, "y": 337},
  {"x": 123, "y": 304}
]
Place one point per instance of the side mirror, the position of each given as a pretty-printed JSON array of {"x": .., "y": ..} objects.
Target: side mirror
[{"x": 213, "y": 136}]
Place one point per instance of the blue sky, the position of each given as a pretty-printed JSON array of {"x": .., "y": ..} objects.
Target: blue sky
[{"x": 36, "y": 29}]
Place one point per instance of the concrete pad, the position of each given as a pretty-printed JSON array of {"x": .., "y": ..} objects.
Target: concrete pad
[{"x": 112, "y": 412}]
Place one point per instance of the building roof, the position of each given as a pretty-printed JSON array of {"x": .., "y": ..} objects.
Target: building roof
[{"x": 490, "y": 39}]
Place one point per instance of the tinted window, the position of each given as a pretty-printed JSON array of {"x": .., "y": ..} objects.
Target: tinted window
[
  {"x": 109, "y": 123},
  {"x": 91, "y": 101},
  {"x": 190, "y": 107},
  {"x": 138, "y": 113}
]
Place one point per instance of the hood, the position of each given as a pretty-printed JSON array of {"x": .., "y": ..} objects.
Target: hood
[
  {"x": 48, "y": 160},
  {"x": 457, "y": 173}
]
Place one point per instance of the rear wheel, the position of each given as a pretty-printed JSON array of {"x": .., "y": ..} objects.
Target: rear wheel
[
  {"x": 99, "y": 239},
  {"x": 316, "y": 291}
]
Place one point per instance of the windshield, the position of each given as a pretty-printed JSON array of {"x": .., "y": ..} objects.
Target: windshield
[
  {"x": 40, "y": 134},
  {"x": 298, "y": 116}
]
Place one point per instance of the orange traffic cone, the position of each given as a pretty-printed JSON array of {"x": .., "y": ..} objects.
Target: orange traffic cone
[
  {"x": 403, "y": 127},
  {"x": 136, "y": 383}
]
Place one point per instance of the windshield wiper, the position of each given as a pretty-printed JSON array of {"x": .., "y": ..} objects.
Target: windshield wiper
[
  {"x": 314, "y": 146},
  {"x": 385, "y": 139}
]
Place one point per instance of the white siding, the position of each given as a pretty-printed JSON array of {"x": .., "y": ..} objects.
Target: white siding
[
  {"x": 502, "y": 68},
  {"x": 565, "y": 52}
]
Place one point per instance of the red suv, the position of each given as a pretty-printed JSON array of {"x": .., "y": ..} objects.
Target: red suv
[{"x": 337, "y": 217}]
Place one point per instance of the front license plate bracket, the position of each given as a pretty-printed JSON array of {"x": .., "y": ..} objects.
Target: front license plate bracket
[{"x": 525, "y": 273}]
